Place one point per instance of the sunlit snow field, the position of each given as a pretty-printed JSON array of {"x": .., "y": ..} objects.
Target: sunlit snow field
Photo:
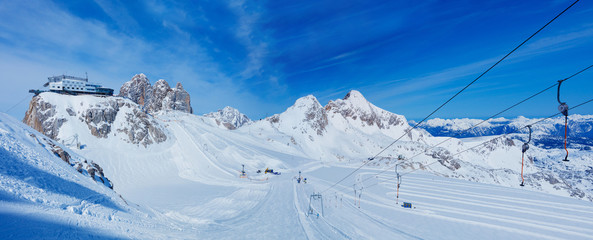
[{"x": 189, "y": 187}]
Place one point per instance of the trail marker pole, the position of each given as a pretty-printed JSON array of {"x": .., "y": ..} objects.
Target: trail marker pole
[{"x": 398, "y": 182}]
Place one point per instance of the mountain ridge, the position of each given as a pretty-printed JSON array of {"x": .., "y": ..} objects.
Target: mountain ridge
[{"x": 344, "y": 131}]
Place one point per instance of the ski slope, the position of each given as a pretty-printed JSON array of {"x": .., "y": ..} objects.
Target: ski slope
[
  {"x": 189, "y": 187},
  {"x": 447, "y": 208}
]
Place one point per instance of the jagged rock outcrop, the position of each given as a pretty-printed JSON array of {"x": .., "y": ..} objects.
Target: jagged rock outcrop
[
  {"x": 316, "y": 116},
  {"x": 142, "y": 129},
  {"x": 229, "y": 117},
  {"x": 158, "y": 97},
  {"x": 177, "y": 99},
  {"x": 99, "y": 118},
  {"x": 138, "y": 90},
  {"x": 160, "y": 90},
  {"x": 40, "y": 116},
  {"x": 48, "y": 112},
  {"x": 83, "y": 166}
]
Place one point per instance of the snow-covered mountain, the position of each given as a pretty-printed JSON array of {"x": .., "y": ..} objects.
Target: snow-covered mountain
[
  {"x": 547, "y": 134},
  {"x": 352, "y": 130},
  {"x": 191, "y": 175},
  {"x": 349, "y": 129},
  {"x": 229, "y": 118}
]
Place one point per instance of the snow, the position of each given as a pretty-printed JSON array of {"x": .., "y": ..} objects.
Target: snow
[
  {"x": 41, "y": 196},
  {"x": 189, "y": 186},
  {"x": 579, "y": 125},
  {"x": 229, "y": 118}
]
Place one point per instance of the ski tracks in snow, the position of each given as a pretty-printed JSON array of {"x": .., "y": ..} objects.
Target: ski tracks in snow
[{"x": 508, "y": 213}]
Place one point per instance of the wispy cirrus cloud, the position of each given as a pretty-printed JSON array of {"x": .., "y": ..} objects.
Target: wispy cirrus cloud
[
  {"x": 39, "y": 39},
  {"x": 562, "y": 41},
  {"x": 245, "y": 31},
  {"x": 119, "y": 13}
]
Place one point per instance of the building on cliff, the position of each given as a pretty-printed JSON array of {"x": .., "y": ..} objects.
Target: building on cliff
[{"x": 73, "y": 85}]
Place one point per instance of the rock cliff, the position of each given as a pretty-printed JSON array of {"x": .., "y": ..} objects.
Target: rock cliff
[
  {"x": 158, "y": 97},
  {"x": 60, "y": 116}
]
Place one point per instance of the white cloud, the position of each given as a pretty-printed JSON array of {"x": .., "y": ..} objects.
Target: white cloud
[
  {"x": 258, "y": 49},
  {"x": 39, "y": 39},
  {"x": 118, "y": 12},
  {"x": 561, "y": 41}
]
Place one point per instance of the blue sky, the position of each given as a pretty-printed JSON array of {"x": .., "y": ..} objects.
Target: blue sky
[{"x": 260, "y": 56}]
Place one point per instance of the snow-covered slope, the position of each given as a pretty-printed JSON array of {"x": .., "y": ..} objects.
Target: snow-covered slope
[
  {"x": 442, "y": 208},
  {"x": 193, "y": 177},
  {"x": 42, "y": 196}
]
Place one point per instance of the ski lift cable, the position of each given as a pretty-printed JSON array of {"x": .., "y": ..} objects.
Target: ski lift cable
[
  {"x": 18, "y": 103},
  {"x": 476, "y": 79},
  {"x": 489, "y": 118},
  {"x": 344, "y": 178},
  {"x": 459, "y": 92},
  {"x": 501, "y": 136}
]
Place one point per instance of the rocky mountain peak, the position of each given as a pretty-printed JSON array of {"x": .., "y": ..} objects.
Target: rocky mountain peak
[
  {"x": 308, "y": 101},
  {"x": 354, "y": 95},
  {"x": 355, "y": 109},
  {"x": 140, "y": 79},
  {"x": 177, "y": 99},
  {"x": 229, "y": 117},
  {"x": 307, "y": 113},
  {"x": 158, "y": 97},
  {"x": 355, "y": 100},
  {"x": 161, "y": 87},
  {"x": 179, "y": 87},
  {"x": 138, "y": 89}
]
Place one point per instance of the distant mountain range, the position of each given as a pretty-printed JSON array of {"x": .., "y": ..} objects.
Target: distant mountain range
[{"x": 547, "y": 134}]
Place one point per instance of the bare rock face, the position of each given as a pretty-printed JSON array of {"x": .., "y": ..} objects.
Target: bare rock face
[
  {"x": 142, "y": 129},
  {"x": 158, "y": 97},
  {"x": 160, "y": 90},
  {"x": 316, "y": 117},
  {"x": 99, "y": 117},
  {"x": 444, "y": 157},
  {"x": 496, "y": 143},
  {"x": 40, "y": 116},
  {"x": 138, "y": 90},
  {"x": 177, "y": 99},
  {"x": 229, "y": 117}
]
